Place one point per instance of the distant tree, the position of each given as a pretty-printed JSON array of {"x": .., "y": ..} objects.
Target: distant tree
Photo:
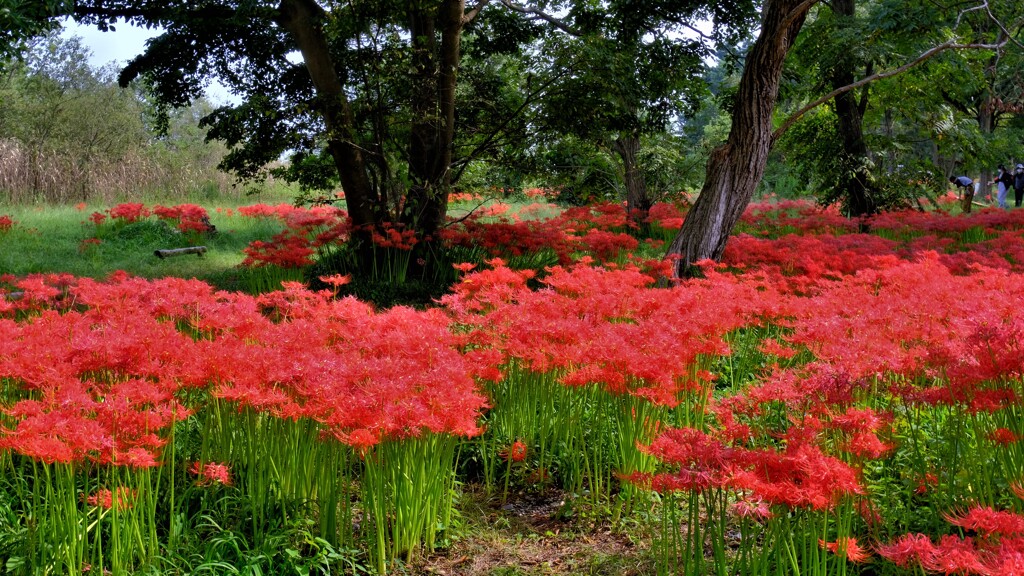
[
  {"x": 861, "y": 148},
  {"x": 617, "y": 82},
  {"x": 70, "y": 132},
  {"x": 59, "y": 107}
]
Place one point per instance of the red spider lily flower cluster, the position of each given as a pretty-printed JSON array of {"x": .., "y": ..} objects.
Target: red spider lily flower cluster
[
  {"x": 548, "y": 193},
  {"x": 120, "y": 498},
  {"x": 306, "y": 232},
  {"x": 96, "y": 385},
  {"x": 460, "y": 197},
  {"x": 211, "y": 473},
  {"x": 997, "y": 548},
  {"x": 848, "y": 547},
  {"x": 99, "y": 381},
  {"x": 187, "y": 217},
  {"x": 590, "y": 324},
  {"x": 129, "y": 212},
  {"x": 800, "y": 476},
  {"x": 394, "y": 236},
  {"x": 88, "y": 244},
  {"x": 6, "y": 223},
  {"x": 595, "y": 230},
  {"x": 666, "y": 215}
]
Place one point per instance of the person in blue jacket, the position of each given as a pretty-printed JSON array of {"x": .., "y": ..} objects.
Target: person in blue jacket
[{"x": 967, "y": 186}]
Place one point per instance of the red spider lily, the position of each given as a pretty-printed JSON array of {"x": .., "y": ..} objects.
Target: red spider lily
[
  {"x": 286, "y": 249},
  {"x": 954, "y": 555},
  {"x": 306, "y": 231},
  {"x": 800, "y": 477},
  {"x": 869, "y": 513},
  {"x": 6, "y": 223},
  {"x": 516, "y": 452},
  {"x": 87, "y": 244},
  {"x": 987, "y": 521},
  {"x": 926, "y": 482},
  {"x": 121, "y": 498},
  {"x": 336, "y": 280},
  {"x": 755, "y": 509},
  {"x": 1004, "y": 437},
  {"x": 666, "y": 215},
  {"x": 1018, "y": 489},
  {"x": 847, "y": 547},
  {"x": 265, "y": 211},
  {"x": 188, "y": 217},
  {"x": 908, "y": 550},
  {"x": 97, "y": 218},
  {"x": 394, "y": 236},
  {"x": 129, "y": 212},
  {"x": 211, "y": 473}
]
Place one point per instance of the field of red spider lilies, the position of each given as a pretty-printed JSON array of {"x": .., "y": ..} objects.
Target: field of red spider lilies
[{"x": 825, "y": 401}]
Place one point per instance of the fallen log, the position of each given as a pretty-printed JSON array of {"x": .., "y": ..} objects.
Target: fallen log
[{"x": 197, "y": 250}]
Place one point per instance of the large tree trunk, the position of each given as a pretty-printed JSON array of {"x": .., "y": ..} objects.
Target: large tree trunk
[
  {"x": 638, "y": 202},
  {"x": 303, "y": 19},
  {"x": 855, "y": 178},
  {"x": 433, "y": 106},
  {"x": 735, "y": 169}
]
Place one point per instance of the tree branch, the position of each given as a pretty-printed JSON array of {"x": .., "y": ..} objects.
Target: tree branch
[
  {"x": 472, "y": 13},
  {"x": 795, "y": 14},
  {"x": 927, "y": 54},
  {"x": 540, "y": 14},
  {"x": 464, "y": 161}
]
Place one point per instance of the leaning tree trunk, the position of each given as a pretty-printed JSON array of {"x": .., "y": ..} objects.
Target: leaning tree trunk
[
  {"x": 638, "y": 202},
  {"x": 735, "y": 169},
  {"x": 303, "y": 19}
]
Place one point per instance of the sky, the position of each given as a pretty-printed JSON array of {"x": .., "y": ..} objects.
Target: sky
[{"x": 125, "y": 43}]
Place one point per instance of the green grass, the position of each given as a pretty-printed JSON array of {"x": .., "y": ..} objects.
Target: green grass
[{"x": 49, "y": 239}]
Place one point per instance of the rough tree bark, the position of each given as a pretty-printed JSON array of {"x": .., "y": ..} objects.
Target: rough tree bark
[
  {"x": 735, "y": 168},
  {"x": 638, "y": 203}
]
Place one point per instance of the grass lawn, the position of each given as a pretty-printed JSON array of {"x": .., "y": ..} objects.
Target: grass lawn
[{"x": 56, "y": 239}]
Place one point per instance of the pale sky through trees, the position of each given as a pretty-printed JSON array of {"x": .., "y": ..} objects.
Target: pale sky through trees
[{"x": 125, "y": 43}]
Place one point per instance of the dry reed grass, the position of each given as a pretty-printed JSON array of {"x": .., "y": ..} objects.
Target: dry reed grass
[{"x": 51, "y": 176}]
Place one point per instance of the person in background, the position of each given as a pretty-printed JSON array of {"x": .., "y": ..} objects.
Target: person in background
[
  {"x": 1004, "y": 181},
  {"x": 1018, "y": 185},
  {"x": 967, "y": 186}
]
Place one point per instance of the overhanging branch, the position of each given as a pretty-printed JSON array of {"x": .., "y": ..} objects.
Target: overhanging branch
[
  {"x": 927, "y": 54},
  {"x": 540, "y": 14}
]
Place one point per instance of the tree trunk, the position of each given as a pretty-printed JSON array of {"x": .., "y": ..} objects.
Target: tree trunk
[
  {"x": 855, "y": 178},
  {"x": 433, "y": 106},
  {"x": 987, "y": 120},
  {"x": 303, "y": 19},
  {"x": 638, "y": 203},
  {"x": 735, "y": 169}
]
